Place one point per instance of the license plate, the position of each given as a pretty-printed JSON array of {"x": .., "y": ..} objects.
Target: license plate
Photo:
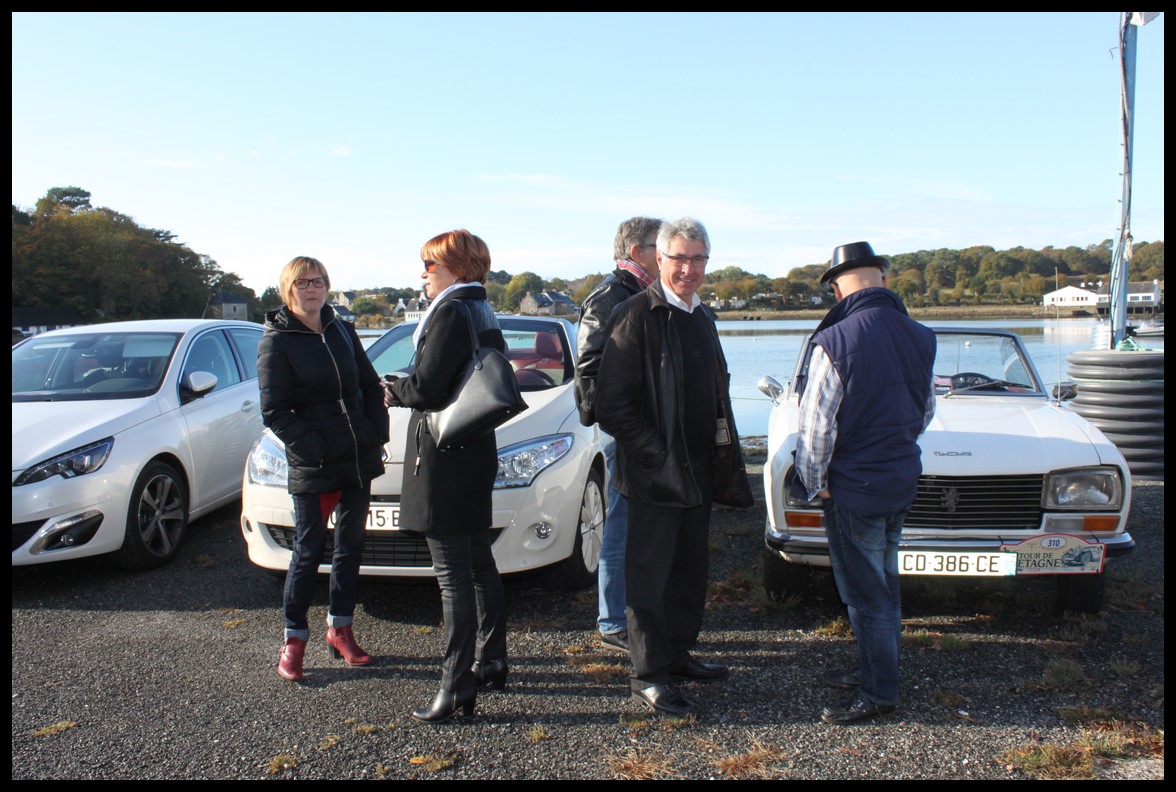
[
  {"x": 380, "y": 517},
  {"x": 921, "y": 562}
]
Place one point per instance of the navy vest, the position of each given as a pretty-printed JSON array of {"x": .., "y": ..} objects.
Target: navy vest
[{"x": 885, "y": 361}]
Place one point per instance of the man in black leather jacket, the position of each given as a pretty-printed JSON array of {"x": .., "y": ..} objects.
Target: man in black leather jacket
[
  {"x": 663, "y": 393},
  {"x": 635, "y": 252}
]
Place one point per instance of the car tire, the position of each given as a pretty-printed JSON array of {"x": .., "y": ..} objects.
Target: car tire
[
  {"x": 782, "y": 579},
  {"x": 157, "y": 518},
  {"x": 578, "y": 570},
  {"x": 1082, "y": 593}
]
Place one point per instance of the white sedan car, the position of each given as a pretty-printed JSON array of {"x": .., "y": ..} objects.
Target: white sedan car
[
  {"x": 1014, "y": 482},
  {"x": 123, "y": 432},
  {"x": 548, "y": 497}
]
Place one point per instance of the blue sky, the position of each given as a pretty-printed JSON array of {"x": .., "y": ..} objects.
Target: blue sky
[{"x": 356, "y": 137}]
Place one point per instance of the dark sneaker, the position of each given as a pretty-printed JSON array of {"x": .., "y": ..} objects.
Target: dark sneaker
[
  {"x": 616, "y": 642},
  {"x": 857, "y": 708}
]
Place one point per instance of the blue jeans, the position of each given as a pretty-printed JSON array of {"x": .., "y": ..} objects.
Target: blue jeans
[
  {"x": 472, "y": 605},
  {"x": 863, "y": 549},
  {"x": 310, "y": 537},
  {"x": 611, "y": 572}
]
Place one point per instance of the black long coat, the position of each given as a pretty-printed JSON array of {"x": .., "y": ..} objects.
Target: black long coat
[
  {"x": 447, "y": 491},
  {"x": 321, "y": 396}
]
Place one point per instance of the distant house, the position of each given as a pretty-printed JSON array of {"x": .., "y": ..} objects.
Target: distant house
[
  {"x": 1141, "y": 296},
  {"x": 226, "y": 305},
  {"x": 344, "y": 313},
  {"x": 548, "y": 303},
  {"x": 415, "y": 308},
  {"x": 1070, "y": 297},
  {"x": 345, "y": 298}
]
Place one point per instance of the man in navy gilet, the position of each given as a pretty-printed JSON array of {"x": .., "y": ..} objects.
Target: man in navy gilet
[{"x": 867, "y": 398}]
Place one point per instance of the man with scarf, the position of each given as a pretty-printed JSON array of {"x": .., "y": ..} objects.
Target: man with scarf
[
  {"x": 635, "y": 251},
  {"x": 868, "y": 396}
]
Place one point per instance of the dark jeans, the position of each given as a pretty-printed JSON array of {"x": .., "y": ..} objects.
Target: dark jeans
[
  {"x": 471, "y": 605},
  {"x": 310, "y": 536},
  {"x": 863, "y": 549},
  {"x": 666, "y": 560}
]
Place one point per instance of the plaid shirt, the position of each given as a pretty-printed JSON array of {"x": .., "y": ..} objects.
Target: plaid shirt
[{"x": 817, "y": 432}]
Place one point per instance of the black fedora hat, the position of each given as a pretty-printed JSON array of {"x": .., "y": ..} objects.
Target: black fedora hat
[{"x": 852, "y": 256}]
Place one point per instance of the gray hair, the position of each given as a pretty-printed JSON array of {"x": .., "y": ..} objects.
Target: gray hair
[
  {"x": 634, "y": 231},
  {"x": 688, "y": 228}
]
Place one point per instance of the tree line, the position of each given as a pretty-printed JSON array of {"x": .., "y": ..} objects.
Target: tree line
[{"x": 102, "y": 266}]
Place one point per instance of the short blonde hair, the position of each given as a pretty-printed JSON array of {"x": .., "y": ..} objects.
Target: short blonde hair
[
  {"x": 297, "y": 268},
  {"x": 462, "y": 253}
]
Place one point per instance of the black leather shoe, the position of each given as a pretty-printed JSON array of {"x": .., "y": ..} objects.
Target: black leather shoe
[
  {"x": 858, "y": 708},
  {"x": 666, "y": 699},
  {"x": 849, "y": 679},
  {"x": 615, "y": 641},
  {"x": 446, "y": 704},
  {"x": 491, "y": 674},
  {"x": 692, "y": 670}
]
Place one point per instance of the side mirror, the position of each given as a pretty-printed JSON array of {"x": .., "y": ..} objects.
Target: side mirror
[
  {"x": 197, "y": 385},
  {"x": 769, "y": 387}
]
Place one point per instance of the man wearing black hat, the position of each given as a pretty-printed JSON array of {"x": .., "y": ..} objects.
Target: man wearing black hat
[{"x": 868, "y": 395}]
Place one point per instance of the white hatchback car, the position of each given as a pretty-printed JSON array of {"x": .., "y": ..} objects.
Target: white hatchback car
[
  {"x": 1014, "y": 482},
  {"x": 549, "y": 499},
  {"x": 123, "y": 432}
]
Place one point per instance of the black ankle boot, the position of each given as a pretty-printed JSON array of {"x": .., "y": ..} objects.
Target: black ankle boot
[
  {"x": 490, "y": 674},
  {"x": 446, "y": 704}
]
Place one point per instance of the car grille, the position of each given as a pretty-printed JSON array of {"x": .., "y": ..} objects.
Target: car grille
[
  {"x": 22, "y": 532},
  {"x": 961, "y": 503},
  {"x": 382, "y": 549}
]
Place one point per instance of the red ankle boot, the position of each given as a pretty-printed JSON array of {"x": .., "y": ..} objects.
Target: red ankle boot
[
  {"x": 343, "y": 645},
  {"x": 290, "y": 660}
]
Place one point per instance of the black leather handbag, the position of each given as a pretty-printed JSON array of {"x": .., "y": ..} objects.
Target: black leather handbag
[{"x": 486, "y": 396}]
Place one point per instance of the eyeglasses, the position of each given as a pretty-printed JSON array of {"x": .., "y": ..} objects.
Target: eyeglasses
[
  {"x": 430, "y": 265},
  {"x": 306, "y": 283},
  {"x": 679, "y": 261}
]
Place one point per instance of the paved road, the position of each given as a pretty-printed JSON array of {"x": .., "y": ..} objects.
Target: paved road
[{"x": 170, "y": 674}]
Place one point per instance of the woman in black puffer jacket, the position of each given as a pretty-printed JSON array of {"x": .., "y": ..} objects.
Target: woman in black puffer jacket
[{"x": 322, "y": 398}]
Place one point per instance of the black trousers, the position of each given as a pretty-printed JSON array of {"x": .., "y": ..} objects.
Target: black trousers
[
  {"x": 666, "y": 568},
  {"x": 471, "y": 605}
]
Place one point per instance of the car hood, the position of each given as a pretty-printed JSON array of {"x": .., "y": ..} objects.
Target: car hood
[
  {"x": 979, "y": 435},
  {"x": 547, "y": 413},
  {"x": 41, "y": 430}
]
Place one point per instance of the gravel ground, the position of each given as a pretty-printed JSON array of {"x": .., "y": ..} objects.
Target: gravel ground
[{"x": 170, "y": 675}]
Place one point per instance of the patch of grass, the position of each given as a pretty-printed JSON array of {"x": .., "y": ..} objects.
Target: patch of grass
[
  {"x": 735, "y": 590},
  {"x": 756, "y": 762},
  {"x": 1125, "y": 667},
  {"x": 435, "y": 763},
  {"x": 280, "y": 762},
  {"x": 1063, "y": 674},
  {"x": 839, "y": 627},
  {"x": 639, "y": 765},
  {"x": 366, "y": 728},
  {"x": 205, "y": 560},
  {"x": 918, "y": 637},
  {"x": 1049, "y": 761},
  {"x": 423, "y": 629},
  {"x": 1085, "y": 714},
  {"x": 633, "y": 721},
  {"x": 537, "y": 733},
  {"x": 1127, "y": 592},
  {"x": 1078, "y": 627},
  {"x": 54, "y": 728},
  {"x": 950, "y": 698},
  {"x": 602, "y": 673},
  {"x": 329, "y": 742},
  {"x": 232, "y": 624},
  {"x": 677, "y": 722},
  {"x": 1106, "y": 741}
]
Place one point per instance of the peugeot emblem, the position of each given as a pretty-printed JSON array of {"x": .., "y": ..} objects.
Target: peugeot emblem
[{"x": 950, "y": 499}]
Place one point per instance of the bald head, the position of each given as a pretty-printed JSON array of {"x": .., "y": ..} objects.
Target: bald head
[{"x": 857, "y": 279}]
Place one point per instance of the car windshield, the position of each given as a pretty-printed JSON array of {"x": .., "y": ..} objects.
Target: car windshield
[
  {"x": 537, "y": 351},
  {"x": 983, "y": 363},
  {"x": 90, "y": 366}
]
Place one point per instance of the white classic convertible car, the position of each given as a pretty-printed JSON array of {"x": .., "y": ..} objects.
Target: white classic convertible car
[{"x": 1014, "y": 482}]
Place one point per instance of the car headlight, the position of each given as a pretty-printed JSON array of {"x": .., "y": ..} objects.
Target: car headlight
[
  {"x": 1086, "y": 489},
  {"x": 519, "y": 464},
  {"x": 267, "y": 462},
  {"x": 78, "y": 462}
]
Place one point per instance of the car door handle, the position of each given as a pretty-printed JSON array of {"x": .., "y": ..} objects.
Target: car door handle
[{"x": 247, "y": 406}]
